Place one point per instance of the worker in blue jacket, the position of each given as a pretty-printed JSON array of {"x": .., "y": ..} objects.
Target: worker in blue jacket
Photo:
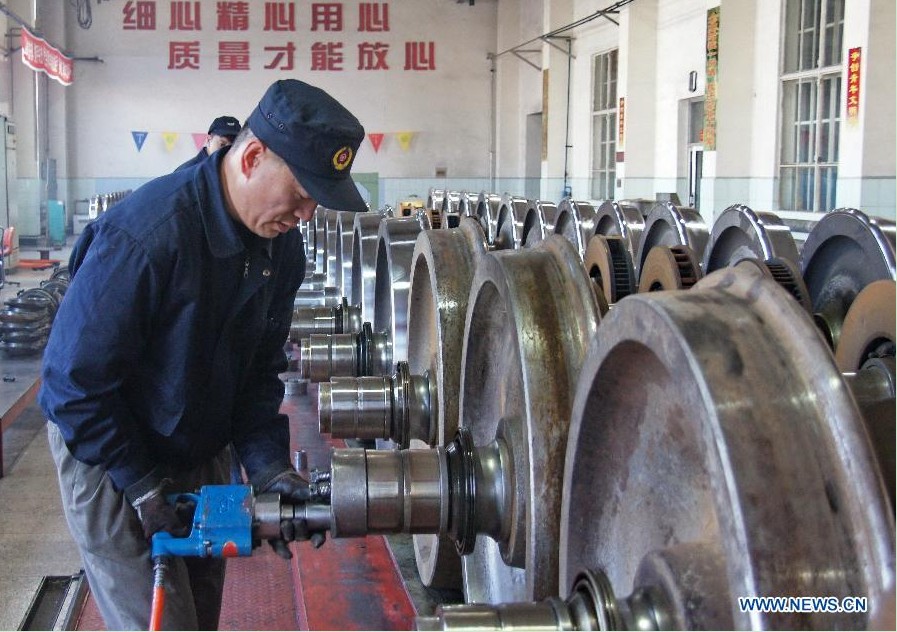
[
  {"x": 169, "y": 343},
  {"x": 222, "y": 133}
]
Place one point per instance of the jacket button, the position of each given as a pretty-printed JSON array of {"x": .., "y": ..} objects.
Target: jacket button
[{"x": 266, "y": 272}]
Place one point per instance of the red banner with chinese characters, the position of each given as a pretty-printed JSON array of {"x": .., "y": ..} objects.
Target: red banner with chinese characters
[
  {"x": 621, "y": 123},
  {"x": 324, "y": 45},
  {"x": 40, "y": 56},
  {"x": 854, "y": 59},
  {"x": 710, "y": 85}
]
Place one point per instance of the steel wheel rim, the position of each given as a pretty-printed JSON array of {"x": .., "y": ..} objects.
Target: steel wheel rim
[
  {"x": 533, "y": 375},
  {"x": 636, "y": 363}
]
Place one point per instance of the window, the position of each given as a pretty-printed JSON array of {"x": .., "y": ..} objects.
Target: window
[
  {"x": 811, "y": 97},
  {"x": 604, "y": 125}
]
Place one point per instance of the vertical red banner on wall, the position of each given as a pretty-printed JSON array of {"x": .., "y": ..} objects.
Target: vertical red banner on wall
[
  {"x": 854, "y": 60},
  {"x": 712, "y": 78},
  {"x": 40, "y": 56},
  {"x": 621, "y": 123}
]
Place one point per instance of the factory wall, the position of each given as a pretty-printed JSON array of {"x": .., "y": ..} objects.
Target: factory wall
[
  {"x": 659, "y": 44},
  {"x": 491, "y": 108},
  {"x": 422, "y": 81}
]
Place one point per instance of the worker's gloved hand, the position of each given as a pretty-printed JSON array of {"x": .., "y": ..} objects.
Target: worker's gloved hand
[
  {"x": 292, "y": 488},
  {"x": 156, "y": 514},
  {"x": 295, "y": 530}
]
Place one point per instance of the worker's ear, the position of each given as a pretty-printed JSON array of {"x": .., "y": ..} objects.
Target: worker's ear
[{"x": 253, "y": 153}]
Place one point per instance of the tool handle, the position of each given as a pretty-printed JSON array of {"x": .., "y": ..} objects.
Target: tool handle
[{"x": 160, "y": 566}]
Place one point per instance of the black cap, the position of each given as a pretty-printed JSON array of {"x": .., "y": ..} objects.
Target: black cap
[
  {"x": 225, "y": 126},
  {"x": 316, "y": 136}
]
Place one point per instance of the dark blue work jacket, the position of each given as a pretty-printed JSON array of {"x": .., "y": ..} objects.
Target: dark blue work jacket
[
  {"x": 200, "y": 156},
  {"x": 170, "y": 338}
]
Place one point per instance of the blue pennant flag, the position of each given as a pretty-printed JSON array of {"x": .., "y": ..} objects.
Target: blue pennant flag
[{"x": 139, "y": 138}]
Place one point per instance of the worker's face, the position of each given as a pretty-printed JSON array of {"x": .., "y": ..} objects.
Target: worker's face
[
  {"x": 276, "y": 200},
  {"x": 214, "y": 142}
]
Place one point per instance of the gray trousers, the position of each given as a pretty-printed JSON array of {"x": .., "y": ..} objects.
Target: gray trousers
[{"x": 116, "y": 556}]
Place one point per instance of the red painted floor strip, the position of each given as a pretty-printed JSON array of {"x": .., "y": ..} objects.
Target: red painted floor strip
[{"x": 350, "y": 584}]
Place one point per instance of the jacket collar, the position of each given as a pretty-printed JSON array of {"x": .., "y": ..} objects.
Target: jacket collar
[{"x": 222, "y": 233}]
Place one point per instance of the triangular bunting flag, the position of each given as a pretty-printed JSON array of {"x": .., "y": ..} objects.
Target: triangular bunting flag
[
  {"x": 376, "y": 139},
  {"x": 139, "y": 139},
  {"x": 170, "y": 139},
  {"x": 404, "y": 139},
  {"x": 199, "y": 140}
]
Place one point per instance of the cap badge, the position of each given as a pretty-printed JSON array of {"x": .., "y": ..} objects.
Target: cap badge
[{"x": 342, "y": 158}]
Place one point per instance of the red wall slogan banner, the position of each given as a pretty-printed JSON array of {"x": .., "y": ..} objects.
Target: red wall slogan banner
[
  {"x": 40, "y": 56},
  {"x": 854, "y": 59},
  {"x": 314, "y": 36}
]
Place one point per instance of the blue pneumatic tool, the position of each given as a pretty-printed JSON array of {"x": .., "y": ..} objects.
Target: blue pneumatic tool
[{"x": 226, "y": 522}]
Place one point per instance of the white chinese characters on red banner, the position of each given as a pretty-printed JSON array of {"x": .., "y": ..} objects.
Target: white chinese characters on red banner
[
  {"x": 281, "y": 16},
  {"x": 40, "y": 56}
]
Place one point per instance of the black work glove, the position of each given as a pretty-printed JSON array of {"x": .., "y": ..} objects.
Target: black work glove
[
  {"x": 157, "y": 514},
  {"x": 292, "y": 488}
]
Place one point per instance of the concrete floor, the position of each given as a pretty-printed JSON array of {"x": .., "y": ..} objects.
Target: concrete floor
[{"x": 34, "y": 539}]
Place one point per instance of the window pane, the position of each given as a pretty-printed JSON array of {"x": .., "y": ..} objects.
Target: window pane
[
  {"x": 834, "y": 32},
  {"x": 810, "y": 11},
  {"x": 792, "y": 14},
  {"x": 596, "y": 142},
  {"x": 786, "y": 188},
  {"x": 828, "y": 183},
  {"x": 789, "y": 110},
  {"x": 809, "y": 47},
  {"x": 807, "y": 109},
  {"x": 604, "y": 124},
  {"x": 612, "y": 78},
  {"x": 596, "y": 82},
  {"x": 806, "y": 141}
]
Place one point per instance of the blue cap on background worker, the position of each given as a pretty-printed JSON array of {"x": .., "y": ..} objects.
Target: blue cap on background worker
[
  {"x": 225, "y": 126},
  {"x": 222, "y": 133}
]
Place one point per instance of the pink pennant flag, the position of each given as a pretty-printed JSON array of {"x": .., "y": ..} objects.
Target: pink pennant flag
[
  {"x": 376, "y": 140},
  {"x": 199, "y": 140}
]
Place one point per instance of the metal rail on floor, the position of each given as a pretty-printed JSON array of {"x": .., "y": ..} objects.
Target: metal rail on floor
[{"x": 57, "y": 603}]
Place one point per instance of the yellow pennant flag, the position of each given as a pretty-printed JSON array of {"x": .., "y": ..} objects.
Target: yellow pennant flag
[
  {"x": 170, "y": 139},
  {"x": 404, "y": 139}
]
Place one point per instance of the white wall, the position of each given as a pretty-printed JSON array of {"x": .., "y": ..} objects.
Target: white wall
[
  {"x": 519, "y": 85},
  {"x": 598, "y": 37},
  {"x": 450, "y": 109},
  {"x": 134, "y": 90},
  {"x": 660, "y": 42},
  {"x": 866, "y": 171}
]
